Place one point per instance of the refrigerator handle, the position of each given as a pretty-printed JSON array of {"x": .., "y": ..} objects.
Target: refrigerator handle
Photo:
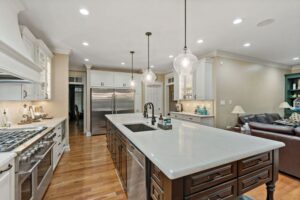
[{"x": 112, "y": 106}]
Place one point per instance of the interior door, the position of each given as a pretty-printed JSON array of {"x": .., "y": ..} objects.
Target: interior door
[{"x": 154, "y": 94}]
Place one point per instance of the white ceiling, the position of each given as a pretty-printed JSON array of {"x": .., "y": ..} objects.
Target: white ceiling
[{"x": 114, "y": 27}]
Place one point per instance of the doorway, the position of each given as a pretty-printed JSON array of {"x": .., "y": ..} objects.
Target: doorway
[
  {"x": 154, "y": 94},
  {"x": 76, "y": 107}
]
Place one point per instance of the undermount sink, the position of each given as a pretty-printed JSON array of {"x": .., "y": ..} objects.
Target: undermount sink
[{"x": 139, "y": 127}]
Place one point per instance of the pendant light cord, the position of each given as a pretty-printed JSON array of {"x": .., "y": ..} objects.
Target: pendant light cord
[
  {"x": 148, "y": 53},
  {"x": 132, "y": 52},
  {"x": 185, "y": 47},
  {"x": 148, "y": 34}
]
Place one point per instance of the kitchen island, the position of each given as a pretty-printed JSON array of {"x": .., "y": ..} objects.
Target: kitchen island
[{"x": 193, "y": 161}]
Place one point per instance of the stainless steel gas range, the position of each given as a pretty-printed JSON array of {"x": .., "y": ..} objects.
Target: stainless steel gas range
[{"x": 33, "y": 164}]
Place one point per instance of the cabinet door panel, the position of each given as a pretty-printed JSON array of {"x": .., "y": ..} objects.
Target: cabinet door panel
[
  {"x": 7, "y": 181},
  {"x": 122, "y": 80},
  {"x": 11, "y": 91},
  {"x": 102, "y": 78}
]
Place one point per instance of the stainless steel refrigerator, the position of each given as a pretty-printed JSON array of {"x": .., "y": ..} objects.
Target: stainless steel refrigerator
[{"x": 109, "y": 101}]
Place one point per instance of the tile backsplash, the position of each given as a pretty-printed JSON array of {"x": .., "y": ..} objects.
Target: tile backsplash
[
  {"x": 190, "y": 106},
  {"x": 14, "y": 110}
]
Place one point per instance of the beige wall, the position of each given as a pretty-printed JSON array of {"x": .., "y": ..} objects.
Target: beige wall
[{"x": 256, "y": 88}]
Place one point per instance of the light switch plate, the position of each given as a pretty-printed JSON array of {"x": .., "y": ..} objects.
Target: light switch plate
[{"x": 222, "y": 102}]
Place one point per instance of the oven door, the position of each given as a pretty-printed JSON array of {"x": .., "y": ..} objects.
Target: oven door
[
  {"x": 25, "y": 183},
  {"x": 44, "y": 173}
]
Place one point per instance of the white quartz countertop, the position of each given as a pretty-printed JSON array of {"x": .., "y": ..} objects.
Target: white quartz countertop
[
  {"x": 50, "y": 123},
  {"x": 192, "y": 114},
  {"x": 6, "y": 157},
  {"x": 189, "y": 148}
]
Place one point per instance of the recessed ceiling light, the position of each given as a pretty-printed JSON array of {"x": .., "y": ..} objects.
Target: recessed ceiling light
[
  {"x": 84, "y": 11},
  {"x": 171, "y": 56},
  {"x": 237, "y": 21},
  {"x": 152, "y": 66},
  {"x": 122, "y": 63},
  {"x": 200, "y": 41},
  {"x": 296, "y": 58},
  {"x": 247, "y": 44},
  {"x": 85, "y": 44},
  {"x": 86, "y": 60}
]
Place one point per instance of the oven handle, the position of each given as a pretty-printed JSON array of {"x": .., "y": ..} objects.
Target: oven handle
[
  {"x": 31, "y": 170},
  {"x": 49, "y": 149}
]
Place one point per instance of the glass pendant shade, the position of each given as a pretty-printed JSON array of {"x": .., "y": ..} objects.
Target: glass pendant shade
[
  {"x": 132, "y": 83},
  {"x": 184, "y": 63},
  {"x": 149, "y": 76}
]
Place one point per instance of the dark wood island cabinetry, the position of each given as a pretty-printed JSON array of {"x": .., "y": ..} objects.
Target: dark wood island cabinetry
[{"x": 227, "y": 181}]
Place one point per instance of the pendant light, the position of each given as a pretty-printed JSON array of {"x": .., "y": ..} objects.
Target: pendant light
[
  {"x": 184, "y": 62},
  {"x": 132, "y": 83},
  {"x": 148, "y": 75}
]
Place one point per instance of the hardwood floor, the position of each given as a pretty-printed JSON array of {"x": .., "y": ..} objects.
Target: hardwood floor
[{"x": 87, "y": 173}]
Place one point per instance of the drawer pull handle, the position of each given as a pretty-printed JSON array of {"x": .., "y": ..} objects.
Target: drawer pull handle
[{"x": 7, "y": 169}]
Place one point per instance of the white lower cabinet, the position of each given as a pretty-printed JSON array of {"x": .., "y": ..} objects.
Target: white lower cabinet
[
  {"x": 207, "y": 121},
  {"x": 7, "y": 181},
  {"x": 58, "y": 148}
]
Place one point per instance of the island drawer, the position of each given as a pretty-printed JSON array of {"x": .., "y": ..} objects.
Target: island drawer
[
  {"x": 156, "y": 191},
  {"x": 208, "y": 178},
  {"x": 253, "y": 163},
  {"x": 157, "y": 175},
  {"x": 225, "y": 191},
  {"x": 254, "y": 179}
]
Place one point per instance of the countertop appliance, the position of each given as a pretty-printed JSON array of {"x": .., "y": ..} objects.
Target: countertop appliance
[
  {"x": 136, "y": 174},
  {"x": 33, "y": 164},
  {"x": 109, "y": 101}
]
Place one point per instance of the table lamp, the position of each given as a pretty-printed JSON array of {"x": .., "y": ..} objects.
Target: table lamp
[
  {"x": 238, "y": 110},
  {"x": 285, "y": 105}
]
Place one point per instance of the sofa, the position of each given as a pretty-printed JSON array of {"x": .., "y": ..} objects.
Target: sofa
[
  {"x": 289, "y": 156},
  {"x": 266, "y": 118}
]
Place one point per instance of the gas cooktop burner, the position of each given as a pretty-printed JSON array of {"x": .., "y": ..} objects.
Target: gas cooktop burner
[{"x": 12, "y": 138}]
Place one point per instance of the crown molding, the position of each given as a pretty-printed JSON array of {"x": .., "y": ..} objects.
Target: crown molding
[
  {"x": 62, "y": 51},
  {"x": 88, "y": 66},
  {"x": 226, "y": 54}
]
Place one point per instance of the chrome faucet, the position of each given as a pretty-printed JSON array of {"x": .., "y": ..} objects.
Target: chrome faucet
[{"x": 151, "y": 106}]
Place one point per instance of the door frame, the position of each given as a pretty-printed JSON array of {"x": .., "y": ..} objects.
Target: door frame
[{"x": 162, "y": 94}]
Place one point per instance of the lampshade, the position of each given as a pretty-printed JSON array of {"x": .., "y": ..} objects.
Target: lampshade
[
  {"x": 184, "y": 63},
  {"x": 284, "y": 105},
  {"x": 149, "y": 76},
  {"x": 238, "y": 110}
]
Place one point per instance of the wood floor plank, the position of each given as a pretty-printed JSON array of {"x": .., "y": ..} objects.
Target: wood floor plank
[{"x": 87, "y": 173}]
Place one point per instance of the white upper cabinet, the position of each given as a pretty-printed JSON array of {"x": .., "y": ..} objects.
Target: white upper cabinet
[
  {"x": 197, "y": 86},
  {"x": 10, "y": 91},
  {"x": 102, "y": 78},
  {"x": 203, "y": 80},
  {"x": 112, "y": 79},
  {"x": 122, "y": 79}
]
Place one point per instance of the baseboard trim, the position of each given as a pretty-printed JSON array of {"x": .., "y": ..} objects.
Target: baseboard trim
[
  {"x": 67, "y": 148},
  {"x": 88, "y": 134}
]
